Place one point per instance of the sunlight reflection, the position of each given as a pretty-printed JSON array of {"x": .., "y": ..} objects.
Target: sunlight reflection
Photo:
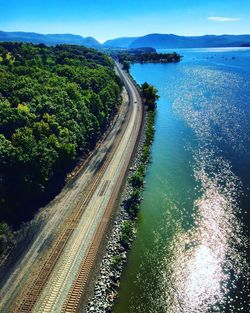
[
  {"x": 204, "y": 278},
  {"x": 205, "y": 258}
]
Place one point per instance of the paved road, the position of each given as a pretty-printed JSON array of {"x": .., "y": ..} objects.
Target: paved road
[{"x": 63, "y": 276}]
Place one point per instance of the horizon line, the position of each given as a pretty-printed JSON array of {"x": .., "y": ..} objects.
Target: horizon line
[{"x": 132, "y": 36}]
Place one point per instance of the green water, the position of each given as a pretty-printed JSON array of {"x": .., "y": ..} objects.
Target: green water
[{"x": 190, "y": 251}]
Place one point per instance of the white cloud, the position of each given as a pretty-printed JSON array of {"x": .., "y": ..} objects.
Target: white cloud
[{"x": 222, "y": 19}]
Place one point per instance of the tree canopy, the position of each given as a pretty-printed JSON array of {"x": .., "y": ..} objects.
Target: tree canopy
[
  {"x": 150, "y": 96},
  {"x": 54, "y": 104},
  {"x": 143, "y": 55}
]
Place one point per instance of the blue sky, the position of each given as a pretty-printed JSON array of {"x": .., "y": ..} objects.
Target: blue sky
[{"x": 106, "y": 19}]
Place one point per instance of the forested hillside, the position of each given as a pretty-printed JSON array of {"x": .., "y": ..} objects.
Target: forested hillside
[{"x": 54, "y": 104}]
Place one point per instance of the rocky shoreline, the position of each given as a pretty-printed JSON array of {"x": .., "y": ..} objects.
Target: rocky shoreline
[{"x": 124, "y": 229}]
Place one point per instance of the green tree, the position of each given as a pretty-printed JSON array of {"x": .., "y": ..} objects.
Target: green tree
[
  {"x": 150, "y": 95},
  {"x": 126, "y": 66},
  {"x": 54, "y": 104}
]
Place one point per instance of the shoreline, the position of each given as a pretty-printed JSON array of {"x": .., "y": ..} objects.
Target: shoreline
[{"x": 114, "y": 259}]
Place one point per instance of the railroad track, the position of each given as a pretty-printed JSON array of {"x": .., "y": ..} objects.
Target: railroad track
[
  {"x": 38, "y": 284},
  {"x": 77, "y": 289},
  {"x": 35, "y": 289}
]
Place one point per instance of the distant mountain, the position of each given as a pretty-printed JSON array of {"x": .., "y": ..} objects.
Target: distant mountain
[
  {"x": 123, "y": 42},
  {"x": 51, "y": 39},
  {"x": 161, "y": 41},
  {"x": 157, "y": 41},
  {"x": 165, "y": 41}
]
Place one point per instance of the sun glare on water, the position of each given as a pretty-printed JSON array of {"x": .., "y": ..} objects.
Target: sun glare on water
[{"x": 205, "y": 258}]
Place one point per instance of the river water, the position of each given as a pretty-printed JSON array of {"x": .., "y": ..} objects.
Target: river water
[{"x": 190, "y": 254}]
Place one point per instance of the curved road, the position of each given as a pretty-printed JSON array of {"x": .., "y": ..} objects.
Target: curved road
[{"x": 79, "y": 251}]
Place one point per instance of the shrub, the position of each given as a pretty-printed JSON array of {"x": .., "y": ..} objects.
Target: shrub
[
  {"x": 116, "y": 261},
  {"x": 126, "y": 233}
]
